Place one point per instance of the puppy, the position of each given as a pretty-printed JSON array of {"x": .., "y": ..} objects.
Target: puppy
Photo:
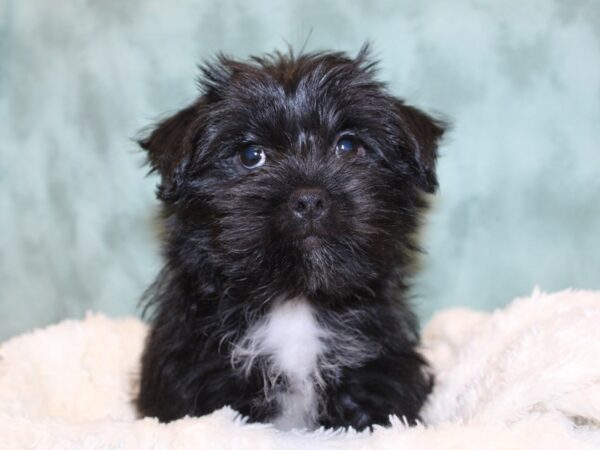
[{"x": 292, "y": 190}]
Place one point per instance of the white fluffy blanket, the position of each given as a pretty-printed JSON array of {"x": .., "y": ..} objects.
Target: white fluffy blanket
[{"x": 527, "y": 376}]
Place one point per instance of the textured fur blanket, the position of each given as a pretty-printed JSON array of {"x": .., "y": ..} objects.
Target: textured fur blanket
[{"x": 527, "y": 376}]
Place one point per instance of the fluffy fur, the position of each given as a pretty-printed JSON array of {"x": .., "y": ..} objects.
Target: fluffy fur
[
  {"x": 242, "y": 248},
  {"x": 500, "y": 385},
  {"x": 291, "y": 343}
]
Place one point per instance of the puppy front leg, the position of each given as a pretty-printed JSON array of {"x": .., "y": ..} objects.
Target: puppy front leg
[
  {"x": 183, "y": 376},
  {"x": 367, "y": 395}
]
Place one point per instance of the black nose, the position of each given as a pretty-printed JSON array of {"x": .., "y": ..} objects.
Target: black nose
[{"x": 309, "y": 203}]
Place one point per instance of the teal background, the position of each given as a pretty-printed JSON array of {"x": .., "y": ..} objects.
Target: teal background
[{"x": 520, "y": 171}]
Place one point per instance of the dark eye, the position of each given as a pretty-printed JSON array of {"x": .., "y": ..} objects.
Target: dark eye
[
  {"x": 252, "y": 157},
  {"x": 346, "y": 145}
]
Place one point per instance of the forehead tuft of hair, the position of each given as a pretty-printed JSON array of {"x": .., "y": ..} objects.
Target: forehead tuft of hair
[{"x": 288, "y": 69}]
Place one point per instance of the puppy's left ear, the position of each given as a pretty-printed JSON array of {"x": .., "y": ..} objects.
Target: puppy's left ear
[
  {"x": 170, "y": 146},
  {"x": 422, "y": 135}
]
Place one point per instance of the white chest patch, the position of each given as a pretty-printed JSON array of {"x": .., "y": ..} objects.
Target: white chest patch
[{"x": 289, "y": 342}]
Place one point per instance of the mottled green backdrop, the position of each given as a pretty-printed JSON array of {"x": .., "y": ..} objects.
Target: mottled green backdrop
[{"x": 520, "y": 172}]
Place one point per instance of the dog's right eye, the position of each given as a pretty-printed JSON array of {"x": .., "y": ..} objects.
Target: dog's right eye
[
  {"x": 252, "y": 157},
  {"x": 348, "y": 145}
]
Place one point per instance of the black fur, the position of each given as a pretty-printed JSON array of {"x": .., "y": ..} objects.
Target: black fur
[{"x": 233, "y": 247}]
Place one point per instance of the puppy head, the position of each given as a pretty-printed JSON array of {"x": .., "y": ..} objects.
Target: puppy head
[{"x": 294, "y": 174}]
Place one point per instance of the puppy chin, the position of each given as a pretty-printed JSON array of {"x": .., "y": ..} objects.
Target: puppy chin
[
  {"x": 311, "y": 242},
  {"x": 310, "y": 236}
]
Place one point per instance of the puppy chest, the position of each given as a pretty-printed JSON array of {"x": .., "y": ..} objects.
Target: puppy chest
[
  {"x": 288, "y": 344},
  {"x": 293, "y": 339}
]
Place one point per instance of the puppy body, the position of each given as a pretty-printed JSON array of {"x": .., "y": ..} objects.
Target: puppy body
[{"x": 291, "y": 188}]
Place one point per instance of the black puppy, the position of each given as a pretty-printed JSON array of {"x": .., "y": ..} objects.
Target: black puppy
[{"x": 292, "y": 190}]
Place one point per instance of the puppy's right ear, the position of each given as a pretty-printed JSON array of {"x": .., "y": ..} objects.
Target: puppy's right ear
[
  {"x": 171, "y": 145},
  {"x": 423, "y": 134}
]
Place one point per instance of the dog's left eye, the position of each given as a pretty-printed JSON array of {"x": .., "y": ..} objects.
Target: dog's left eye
[
  {"x": 346, "y": 145},
  {"x": 252, "y": 157}
]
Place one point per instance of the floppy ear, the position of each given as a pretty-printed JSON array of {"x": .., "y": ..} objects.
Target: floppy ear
[
  {"x": 170, "y": 145},
  {"x": 422, "y": 136}
]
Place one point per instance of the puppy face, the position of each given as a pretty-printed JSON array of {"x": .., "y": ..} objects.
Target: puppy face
[{"x": 296, "y": 175}]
